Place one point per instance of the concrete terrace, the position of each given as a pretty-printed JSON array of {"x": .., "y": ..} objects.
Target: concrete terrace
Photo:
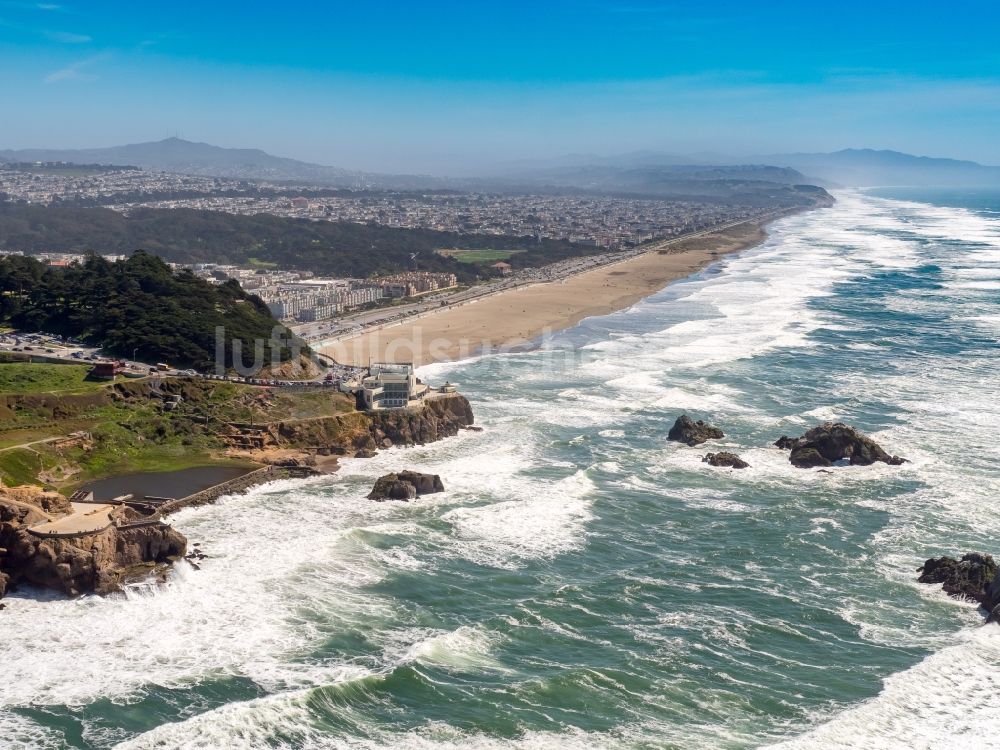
[{"x": 86, "y": 518}]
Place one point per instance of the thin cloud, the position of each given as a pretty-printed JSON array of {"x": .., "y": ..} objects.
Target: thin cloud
[
  {"x": 74, "y": 71},
  {"x": 68, "y": 37},
  {"x": 47, "y": 7}
]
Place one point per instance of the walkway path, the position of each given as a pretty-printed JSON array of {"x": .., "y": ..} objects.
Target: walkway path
[
  {"x": 86, "y": 518},
  {"x": 33, "y": 442}
]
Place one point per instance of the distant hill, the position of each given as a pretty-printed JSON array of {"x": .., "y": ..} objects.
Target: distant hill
[
  {"x": 850, "y": 167},
  {"x": 750, "y": 184},
  {"x": 640, "y": 172},
  {"x": 868, "y": 168},
  {"x": 178, "y": 155}
]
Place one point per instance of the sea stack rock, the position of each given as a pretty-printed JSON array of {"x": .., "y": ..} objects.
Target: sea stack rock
[
  {"x": 833, "y": 441},
  {"x": 785, "y": 443},
  {"x": 689, "y": 432},
  {"x": 969, "y": 578},
  {"x": 725, "y": 459},
  {"x": 405, "y": 485}
]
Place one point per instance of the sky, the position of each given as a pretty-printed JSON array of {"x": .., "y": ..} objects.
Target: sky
[{"x": 453, "y": 87}]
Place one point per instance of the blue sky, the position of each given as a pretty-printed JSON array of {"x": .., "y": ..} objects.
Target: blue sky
[{"x": 451, "y": 87}]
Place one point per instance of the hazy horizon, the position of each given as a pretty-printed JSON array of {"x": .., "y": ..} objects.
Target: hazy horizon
[{"x": 455, "y": 90}]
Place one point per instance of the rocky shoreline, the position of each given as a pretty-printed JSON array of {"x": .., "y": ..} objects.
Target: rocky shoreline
[
  {"x": 77, "y": 563},
  {"x": 133, "y": 544}
]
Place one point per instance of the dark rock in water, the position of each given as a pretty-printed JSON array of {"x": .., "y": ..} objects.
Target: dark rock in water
[
  {"x": 724, "y": 458},
  {"x": 992, "y": 599},
  {"x": 365, "y": 453},
  {"x": 807, "y": 458},
  {"x": 689, "y": 432},
  {"x": 405, "y": 485},
  {"x": 833, "y": 441},
  {"x": 391, "y": 487},
  {"x": 969, "y": 578},
  {"x": 785, "y": 443},
  {"x": 426, "y": 484}
]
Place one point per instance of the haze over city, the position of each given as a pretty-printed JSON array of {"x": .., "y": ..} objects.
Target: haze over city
[{"x": 460, "y": 88}]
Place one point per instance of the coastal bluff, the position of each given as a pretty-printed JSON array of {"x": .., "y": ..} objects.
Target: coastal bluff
[
  {"x": 365, "y": 432},
  {"x": 76, "y": 562}
]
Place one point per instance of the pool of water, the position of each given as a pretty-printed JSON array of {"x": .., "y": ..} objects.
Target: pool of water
[{"x": 164, "y": 483}]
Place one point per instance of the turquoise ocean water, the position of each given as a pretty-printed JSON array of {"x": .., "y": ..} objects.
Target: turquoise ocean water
[{"x": 583, "y": 583}]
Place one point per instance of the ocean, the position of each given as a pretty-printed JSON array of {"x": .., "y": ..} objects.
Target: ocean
[{"x": 583, "y": 583}]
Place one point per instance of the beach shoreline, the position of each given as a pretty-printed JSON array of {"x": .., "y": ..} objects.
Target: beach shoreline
[{"x": 512, "y": 320}]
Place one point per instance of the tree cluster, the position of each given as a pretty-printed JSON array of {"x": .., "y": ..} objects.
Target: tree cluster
[
  {"x": 325, "y": 247},
  {"x": 137, "y": 305}
]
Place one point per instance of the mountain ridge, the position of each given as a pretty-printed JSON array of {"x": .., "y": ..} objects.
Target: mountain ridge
[{"x": 856, "y": 167}]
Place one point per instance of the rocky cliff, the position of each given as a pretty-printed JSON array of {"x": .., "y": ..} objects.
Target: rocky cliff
[
  {"x": 74, "y": 565},
  {"x": 434, "y": 419}
]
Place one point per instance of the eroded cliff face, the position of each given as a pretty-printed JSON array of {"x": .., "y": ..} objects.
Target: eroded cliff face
[
  {"x": 435, "y": 419},
  {"x": 74, "y": 565},
  {"x": 439, "y": 418}
]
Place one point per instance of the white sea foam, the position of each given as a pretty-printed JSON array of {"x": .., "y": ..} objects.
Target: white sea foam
[
  {"x": 20, "y": 733},
  {"x": 949, "y": 700},
  {"x": 544, "y": 521},
  {"x": 466, "y": 648},
  {"x": 89, "y": 647}
]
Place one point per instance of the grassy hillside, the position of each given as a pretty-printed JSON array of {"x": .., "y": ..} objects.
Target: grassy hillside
[
  {"x": 24, "y": 377},
  {"x": 126, "y": 427}
]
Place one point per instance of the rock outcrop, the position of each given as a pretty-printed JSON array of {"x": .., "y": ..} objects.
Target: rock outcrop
[
  {"x": 785, "y": 443},
  {"x": 833, "y": 441},
  {"x": 73, "y": 565},
  {"x": 689, "y": 432},
  {"x": 969, "y": 578},
  {"x": 435, "y": 419},
  {"x": 363, "y": 433},
  {"x": 725, "y": 459},
  {"x": 405, "y": 485}
]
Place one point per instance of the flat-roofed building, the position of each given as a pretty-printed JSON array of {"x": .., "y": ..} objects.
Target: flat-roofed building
[{"x": 388, "y": 386}]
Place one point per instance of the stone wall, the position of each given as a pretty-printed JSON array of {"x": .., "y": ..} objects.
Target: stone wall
[{"x": 230, "y": 487}]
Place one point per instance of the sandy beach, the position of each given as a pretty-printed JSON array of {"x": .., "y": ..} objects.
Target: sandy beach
[{"x": 512, "y": 319}]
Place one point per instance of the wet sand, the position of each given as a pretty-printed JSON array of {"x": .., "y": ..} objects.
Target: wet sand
[{"x": 512, "y": 319}]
